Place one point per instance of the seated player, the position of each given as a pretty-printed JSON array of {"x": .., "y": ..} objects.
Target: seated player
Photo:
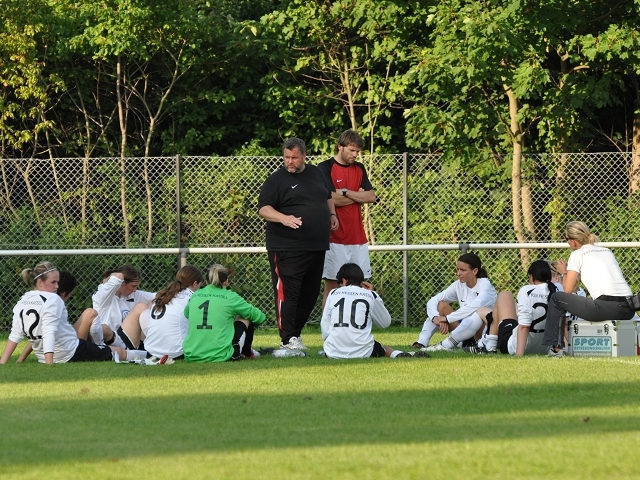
[
  {"x": 471, "y": 291},
  {"x": 221, "y": 322},
  {"x": 41, "y": 316},
  {"x": 113, "y": 300},
  {"x": 66, "y": 285},
  {"x": 522, "y": 332},
  {"x": 163, "y": 326},
  {"x": 349, "y": 313}
]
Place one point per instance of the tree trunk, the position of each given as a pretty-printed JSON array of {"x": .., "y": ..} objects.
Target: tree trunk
[
  {"x": 7, "y": 190},
  {"x": 516, "y": 173},
  {"x": 123, "y": 150}
]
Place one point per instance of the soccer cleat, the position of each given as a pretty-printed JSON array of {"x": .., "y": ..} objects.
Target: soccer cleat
[
  {"x": 403, "y": 355},
  {"x": 438, "y": 347},
  {"x": 295, "y": 343},
  {"x": 417, "y": 345},
  {"x": 420, "y": 354},
  {"x": 478, "y": 350},
  {"x": 559, "y": 354}
]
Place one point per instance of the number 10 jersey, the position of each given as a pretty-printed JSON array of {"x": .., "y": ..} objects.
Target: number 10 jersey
[{"x": 346, "y": 323}]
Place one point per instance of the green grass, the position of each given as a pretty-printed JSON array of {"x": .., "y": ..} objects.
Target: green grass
[{"x": 451, "y": 416}]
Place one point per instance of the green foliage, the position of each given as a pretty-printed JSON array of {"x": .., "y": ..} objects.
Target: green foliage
[{"x": 338, "y": 65}]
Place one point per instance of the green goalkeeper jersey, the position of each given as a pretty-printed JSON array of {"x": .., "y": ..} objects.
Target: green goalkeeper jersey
[{"x": 211, "y": 312}]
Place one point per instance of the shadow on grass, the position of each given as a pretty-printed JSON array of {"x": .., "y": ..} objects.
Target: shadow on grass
[{"x": 49, "y": 431}]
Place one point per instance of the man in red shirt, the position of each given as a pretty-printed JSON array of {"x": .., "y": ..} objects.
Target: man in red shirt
[{"x": 348, "y": 244}]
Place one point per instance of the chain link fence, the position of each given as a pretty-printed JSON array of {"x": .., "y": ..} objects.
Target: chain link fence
[{"x": 199, "y": 202}]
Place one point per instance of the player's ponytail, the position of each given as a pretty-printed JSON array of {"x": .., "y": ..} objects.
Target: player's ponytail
[
  {"x": 217, "y": 275},
  {"x": 39, "y": 272},
  {"x": 185, "y": 277},
  {"x": 474, "y": 262},
  {"x": 579, "y": 231},
  {"x": 540, "y": 271}
]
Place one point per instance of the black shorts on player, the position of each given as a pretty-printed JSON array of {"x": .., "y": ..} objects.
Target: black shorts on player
[
  {"x": 378, "y": 350},
  {"x": 90, "y": 352},
  {"x": 505, "y": 329}
]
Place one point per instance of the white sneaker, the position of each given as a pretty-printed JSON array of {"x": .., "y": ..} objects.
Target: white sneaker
[
  {"x": 559, "y": 354},
  {"x": 282, "y": 353},
  {"x": 295, "y": 343},
  {"x": 438, "y": 347}
]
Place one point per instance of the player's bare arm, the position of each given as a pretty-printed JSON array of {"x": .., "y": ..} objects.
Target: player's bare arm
[{"x": 270, "y": 214}]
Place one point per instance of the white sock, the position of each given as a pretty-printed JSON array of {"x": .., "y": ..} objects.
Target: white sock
[
  {"x": 116, "y": 357},
  {"x": 95, "y": 331},
  {"x": 467, "y": 329},
  {"x": 492, "y": 343},
  {"x": 395, "y": 353},
  {"x": 136, "y": 354},
  {"x": 428, "y": 329},
  {"x": 449, "y": 342}
]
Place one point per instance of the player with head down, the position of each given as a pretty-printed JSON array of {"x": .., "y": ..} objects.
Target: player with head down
[{"x": 349, "y": 313}]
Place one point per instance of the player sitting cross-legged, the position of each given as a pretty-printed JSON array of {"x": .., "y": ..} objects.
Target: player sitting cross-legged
[{"x": 348, "y": 316}]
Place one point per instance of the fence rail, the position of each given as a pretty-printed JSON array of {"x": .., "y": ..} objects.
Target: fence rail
[{"x": 88, "y": 215}]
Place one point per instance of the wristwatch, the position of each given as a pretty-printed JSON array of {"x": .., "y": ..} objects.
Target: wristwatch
[{"x": 344, "y": 192}]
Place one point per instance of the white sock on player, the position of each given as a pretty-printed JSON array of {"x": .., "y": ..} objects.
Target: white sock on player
[
  {"x": 95, "y": 331},
  {"x": 491, "y": 343},
  {"x": 467, "y": 329},
  {"x": 427, "y": 332},
  {"x": 136, "y": 354}
]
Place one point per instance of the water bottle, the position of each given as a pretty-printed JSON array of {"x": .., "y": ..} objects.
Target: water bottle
[{"x": 288, "y": 353}]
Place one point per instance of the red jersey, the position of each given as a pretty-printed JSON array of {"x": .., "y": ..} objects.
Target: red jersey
[{"x": 352, "y": 177}]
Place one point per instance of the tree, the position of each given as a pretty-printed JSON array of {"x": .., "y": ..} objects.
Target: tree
[
  {"x": 504, "y": 76},
  {"x": 336, "y": 64}
]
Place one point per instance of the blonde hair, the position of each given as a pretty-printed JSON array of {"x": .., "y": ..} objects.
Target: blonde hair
[
  {"x": 579, "y": 231},
  {"x": 217, "y": 275},
  {"x": 40, "y": 271}
]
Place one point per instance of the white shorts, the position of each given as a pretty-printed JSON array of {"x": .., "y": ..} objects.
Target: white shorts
[{"x": 339, "y": 254}]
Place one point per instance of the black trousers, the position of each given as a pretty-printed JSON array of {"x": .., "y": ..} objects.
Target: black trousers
[
  {"x": 296, "y": 278},
  {"x": 586, "y": 308}
]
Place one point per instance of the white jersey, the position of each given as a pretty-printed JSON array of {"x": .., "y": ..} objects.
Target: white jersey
[
  {"x": 348, "y": 316},
  {"x": 470, "y": 299},
  {"x": 599, "y": 271},
  {"x": 532, "y": 304},
  {"x": 111, "y": 308},
  {"x": 42, "y": 318},
  {"x": 166, "y": 329}
]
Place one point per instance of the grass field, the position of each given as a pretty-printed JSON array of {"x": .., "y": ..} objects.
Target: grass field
[{"x": 451, "y": 416}]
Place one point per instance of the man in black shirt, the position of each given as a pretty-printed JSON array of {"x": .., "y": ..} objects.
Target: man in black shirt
[{"x": 296, "y": 202}]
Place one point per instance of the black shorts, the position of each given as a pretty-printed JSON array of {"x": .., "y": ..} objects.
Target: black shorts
[
  {"x": 378, "y": 351},
  {"x": 90, "y": 352},
  {"x": 505, "y": 329},
  {"x": 125, "y": 338}
]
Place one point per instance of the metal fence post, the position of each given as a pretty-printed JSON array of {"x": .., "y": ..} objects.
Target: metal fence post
[{"x": 405, "y": 239}]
